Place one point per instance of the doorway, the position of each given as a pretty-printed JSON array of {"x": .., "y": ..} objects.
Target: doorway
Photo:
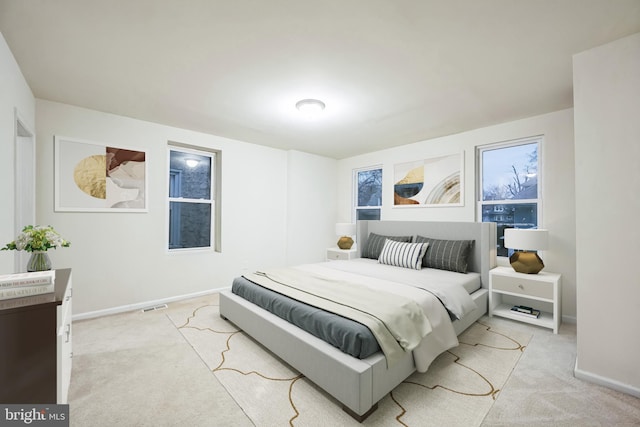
[{"x": 25, "y": 184}]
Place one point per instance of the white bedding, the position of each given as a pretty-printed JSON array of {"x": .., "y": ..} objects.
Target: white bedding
[
  {"x": 405, "y": 282},
  {"x": 449, "y": 286},
  {"x": 470, "y": 281}
]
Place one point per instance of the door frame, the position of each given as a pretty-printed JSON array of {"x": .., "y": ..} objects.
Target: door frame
[{"x": 24, "y": 207}]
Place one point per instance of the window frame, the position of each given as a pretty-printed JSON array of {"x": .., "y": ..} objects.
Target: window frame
[
  {"x": 355, "y": 190},
  {"x": 539, "y": 140},
  {"x": 213, "y": 200}
]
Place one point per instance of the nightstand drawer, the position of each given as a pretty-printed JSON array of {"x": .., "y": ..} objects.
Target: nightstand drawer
[
  {"x": 340, "y": 254},
  {"x": 337, "y": 255},
  {"x": 522, "y": 286}
]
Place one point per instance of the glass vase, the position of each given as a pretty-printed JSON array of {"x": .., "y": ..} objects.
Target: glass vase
[{"x": 39, "y": 261}]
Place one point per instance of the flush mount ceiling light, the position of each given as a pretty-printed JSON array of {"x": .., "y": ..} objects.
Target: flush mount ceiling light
[
  {"x": 192, "y": 163},
  {"x": 310, "y": 106}
]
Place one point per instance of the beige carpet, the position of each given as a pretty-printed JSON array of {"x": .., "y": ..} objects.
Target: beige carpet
[{"x": 458, "y": 390}]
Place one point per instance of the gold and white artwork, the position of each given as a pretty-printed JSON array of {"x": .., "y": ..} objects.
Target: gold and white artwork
[
  {"x": 97, "y": 177},
  {"x": 436, "y": 181}
]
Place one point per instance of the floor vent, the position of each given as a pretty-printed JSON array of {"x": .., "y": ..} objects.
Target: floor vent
[{"x": 154, "y": 308}]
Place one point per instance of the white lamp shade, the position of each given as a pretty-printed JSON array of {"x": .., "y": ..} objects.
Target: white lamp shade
[
  {"x": 526, "y": 239},
  {"x": 345, "y": 229}
]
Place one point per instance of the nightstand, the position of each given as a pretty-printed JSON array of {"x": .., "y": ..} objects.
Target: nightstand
[
  {"x": 540, "y": 291},
  {"x": 344, "y": 254}
]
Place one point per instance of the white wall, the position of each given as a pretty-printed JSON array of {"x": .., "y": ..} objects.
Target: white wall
[
  {"x": 607, "y": 147},
  {"x": 558, "y": 209},
  {"x": 15, "y": 94},
  {"x": 119, "y": 259},
  {"x": 312, "y": 206}
]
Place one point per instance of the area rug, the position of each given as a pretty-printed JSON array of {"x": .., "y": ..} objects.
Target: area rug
[{"x": 458, "y": 389}]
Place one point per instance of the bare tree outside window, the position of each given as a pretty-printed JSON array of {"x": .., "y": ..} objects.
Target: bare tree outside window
[
  {"x": 368, "y": 188},
  {"x": 509, "y": 186}
]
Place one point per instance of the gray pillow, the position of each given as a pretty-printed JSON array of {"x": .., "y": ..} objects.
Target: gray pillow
[
  {"x": 375, "y": 243},
  {"x": 451, "y": 255}
]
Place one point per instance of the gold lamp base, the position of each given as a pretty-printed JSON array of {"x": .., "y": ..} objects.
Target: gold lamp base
[
  {"x": 345, "y": 242},
  {"x": 526, "y": 262}
]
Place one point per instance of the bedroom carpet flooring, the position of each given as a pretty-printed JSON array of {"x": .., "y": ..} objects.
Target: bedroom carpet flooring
[
  {"x": 136, "y": 369},
  {"x": 458, "y": 390}
]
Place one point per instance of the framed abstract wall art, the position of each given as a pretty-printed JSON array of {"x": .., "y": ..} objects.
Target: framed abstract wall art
[
  {"x": 437, "y": 181},
  {"x": 93, "y": 177}
]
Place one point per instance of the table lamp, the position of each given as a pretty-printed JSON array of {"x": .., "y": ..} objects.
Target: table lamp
[
  {"x": 525, "y": 240},
  {"x": 345, "y": 230}
]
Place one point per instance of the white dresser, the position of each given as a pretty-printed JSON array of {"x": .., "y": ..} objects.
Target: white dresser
[{"x": 64, "y": 352}]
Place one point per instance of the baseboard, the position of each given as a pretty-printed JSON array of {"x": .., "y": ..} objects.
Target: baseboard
[
  {"x": 569, "y": 319},
  {"x": 141, "y": 305},
  {"x": 605, "y": 382}
]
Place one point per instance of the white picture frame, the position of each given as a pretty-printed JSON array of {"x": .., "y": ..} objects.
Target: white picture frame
[
  {"x": 433, "y": 182},
  {"x": 96, "y": 177}
]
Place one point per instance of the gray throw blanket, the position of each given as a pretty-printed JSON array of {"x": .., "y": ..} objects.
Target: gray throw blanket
[{"x": 397, "y": 322}]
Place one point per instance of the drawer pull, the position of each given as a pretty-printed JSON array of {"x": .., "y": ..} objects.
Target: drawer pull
[{"x": 521, "y": 287}]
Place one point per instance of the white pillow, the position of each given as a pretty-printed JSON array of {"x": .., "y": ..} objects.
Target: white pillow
[{"x": 403, "y": 254}]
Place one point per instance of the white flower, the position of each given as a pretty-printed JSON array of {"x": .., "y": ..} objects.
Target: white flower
[
  {"x": 37, "y": 238},
  {"x": 22, "y": 241}
]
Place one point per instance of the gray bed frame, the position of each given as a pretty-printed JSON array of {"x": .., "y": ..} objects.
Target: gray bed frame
[{"x": 358, "y": 384}]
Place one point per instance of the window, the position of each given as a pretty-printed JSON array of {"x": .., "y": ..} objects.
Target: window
[
  {"x": 368, "y": 193},
  {"x": 509, "y": 193},
  {"x": 192, "y": 207}
]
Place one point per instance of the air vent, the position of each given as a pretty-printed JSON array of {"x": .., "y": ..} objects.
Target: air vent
[{"x": 154, "y": 308}]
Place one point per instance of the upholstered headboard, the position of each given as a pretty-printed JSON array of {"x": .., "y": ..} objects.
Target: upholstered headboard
[{"x": 482, "y": 259}]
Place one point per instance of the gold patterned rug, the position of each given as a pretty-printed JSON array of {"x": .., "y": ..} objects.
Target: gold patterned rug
[{"x": 458, "y": 390}]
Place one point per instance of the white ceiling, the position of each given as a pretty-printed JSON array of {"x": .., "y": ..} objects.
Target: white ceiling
[{"x": 390, "y": 72}]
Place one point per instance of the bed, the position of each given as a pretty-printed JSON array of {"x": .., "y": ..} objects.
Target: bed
[{"x": 358, "y": 383}]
